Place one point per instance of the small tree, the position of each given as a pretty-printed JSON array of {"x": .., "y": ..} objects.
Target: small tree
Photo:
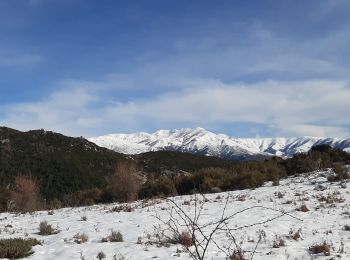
[{"x": 124, "y": 184}]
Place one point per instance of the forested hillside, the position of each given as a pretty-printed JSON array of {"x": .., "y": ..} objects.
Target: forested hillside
[
  {"x": 45, "y": 169},
  {"x": 60, "y": 164}
]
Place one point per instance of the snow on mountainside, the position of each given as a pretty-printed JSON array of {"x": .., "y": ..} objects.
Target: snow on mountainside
[{"x": 201, "y": 141}]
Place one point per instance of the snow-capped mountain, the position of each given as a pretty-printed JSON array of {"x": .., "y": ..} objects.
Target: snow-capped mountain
[{"x": 201, "y": 141}]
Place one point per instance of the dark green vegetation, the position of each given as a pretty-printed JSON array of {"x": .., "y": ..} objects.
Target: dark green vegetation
[
  {"x": 210, "y": 174},
  {"x": 158, "y": 162},
  {"x": 40, "y": 169},
  {"x": 61, "y": 165},
  {"x": 15, "y": 248}
]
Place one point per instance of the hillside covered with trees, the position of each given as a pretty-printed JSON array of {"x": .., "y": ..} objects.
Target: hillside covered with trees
[
  {"x": 61, "y": 165},
  {"x": 41, "y": 169}
]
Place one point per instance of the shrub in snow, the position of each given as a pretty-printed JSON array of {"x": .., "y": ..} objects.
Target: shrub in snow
[
  {"x": 45, "y": 229},
  {"x": 80, "y": 238},
  {"x": 115, "y": 236},
  {"x": 14, "y": 248},
  {"x": 323, "y": 248}
]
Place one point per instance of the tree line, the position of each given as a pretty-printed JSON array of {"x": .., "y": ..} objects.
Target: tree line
[{"x": 154, "y": 176}]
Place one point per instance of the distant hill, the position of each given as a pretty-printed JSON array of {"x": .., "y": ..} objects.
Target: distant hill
[
  {"x": 202, "y": 142},
  {"x": 61, "y": 164},
  {"x": 177, "y": 162}
]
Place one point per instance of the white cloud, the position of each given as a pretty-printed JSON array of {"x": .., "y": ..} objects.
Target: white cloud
[
  {"x": 315, "y": 108},
  {"x": 63, "y": 111}
]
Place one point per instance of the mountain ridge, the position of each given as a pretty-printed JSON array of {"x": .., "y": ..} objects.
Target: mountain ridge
[{"x": 203, "y": 142}]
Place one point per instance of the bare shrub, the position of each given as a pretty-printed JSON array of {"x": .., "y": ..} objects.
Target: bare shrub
[
  {"x": 124, "y": 184},
  {"x": 184, "y": 238},
  {"x": 80, "y": 238},
  {"x": 341, "y": 173},
  {"x": 122, "y": 208},
  {"x": 186, "y": 202},
  {"x": 295, "y": 235},
  {"x": 26, "y": 194},
  {"x": 279, "y": 242},
  {"x": 242, "y": 197},
  {"x": 198, "y": 235},
  {"x": 237, "y": 255},
  {"x": 323, "y": 248},
  {"x": 331, "y": 198},
  {"x": 279, "y": 195},
  {"x": 114, "y": 236},
  {"x": 303, "y": 208},
  {"x": 101, "y": 255}
]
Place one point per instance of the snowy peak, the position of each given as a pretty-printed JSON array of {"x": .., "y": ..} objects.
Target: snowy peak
[{"x": 201, "y": 141}]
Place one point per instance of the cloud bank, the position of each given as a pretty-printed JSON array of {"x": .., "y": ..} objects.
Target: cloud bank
[{"x": 313, "y": 108}]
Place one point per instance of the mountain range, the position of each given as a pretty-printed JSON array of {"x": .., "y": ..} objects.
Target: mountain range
[{"x": 203, "y": 142}]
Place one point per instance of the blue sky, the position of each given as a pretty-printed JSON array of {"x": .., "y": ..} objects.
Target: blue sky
[{"x": 244, "y": 68}]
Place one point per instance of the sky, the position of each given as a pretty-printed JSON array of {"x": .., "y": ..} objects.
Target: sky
[{"x": 258, "y": 68}]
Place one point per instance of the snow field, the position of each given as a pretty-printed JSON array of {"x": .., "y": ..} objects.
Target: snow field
[{"x": 328, "y": 205}]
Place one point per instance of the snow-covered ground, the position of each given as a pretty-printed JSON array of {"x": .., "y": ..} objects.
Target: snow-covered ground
[{"x": 328, "y": 214}]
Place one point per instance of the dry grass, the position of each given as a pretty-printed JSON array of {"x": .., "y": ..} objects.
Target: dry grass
[
  {"x": 303, "y": 208},
  {"x": 122, "y": 208},
  {"x": 80, "y": 238},
  {"x": 279, "y": 242},
  {"x": 184, "y": 238},
  {"x": 295, "y": 235}
]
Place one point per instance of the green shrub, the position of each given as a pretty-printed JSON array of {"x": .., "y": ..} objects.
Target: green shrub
[
  {"x": 115, "y": 236},
  {"x": 15, "y": 248},
  {"x": 45, "y": 229}
]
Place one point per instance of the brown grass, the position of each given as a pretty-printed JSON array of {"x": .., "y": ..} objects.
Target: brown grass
[{"x": 323, "y": 248}]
